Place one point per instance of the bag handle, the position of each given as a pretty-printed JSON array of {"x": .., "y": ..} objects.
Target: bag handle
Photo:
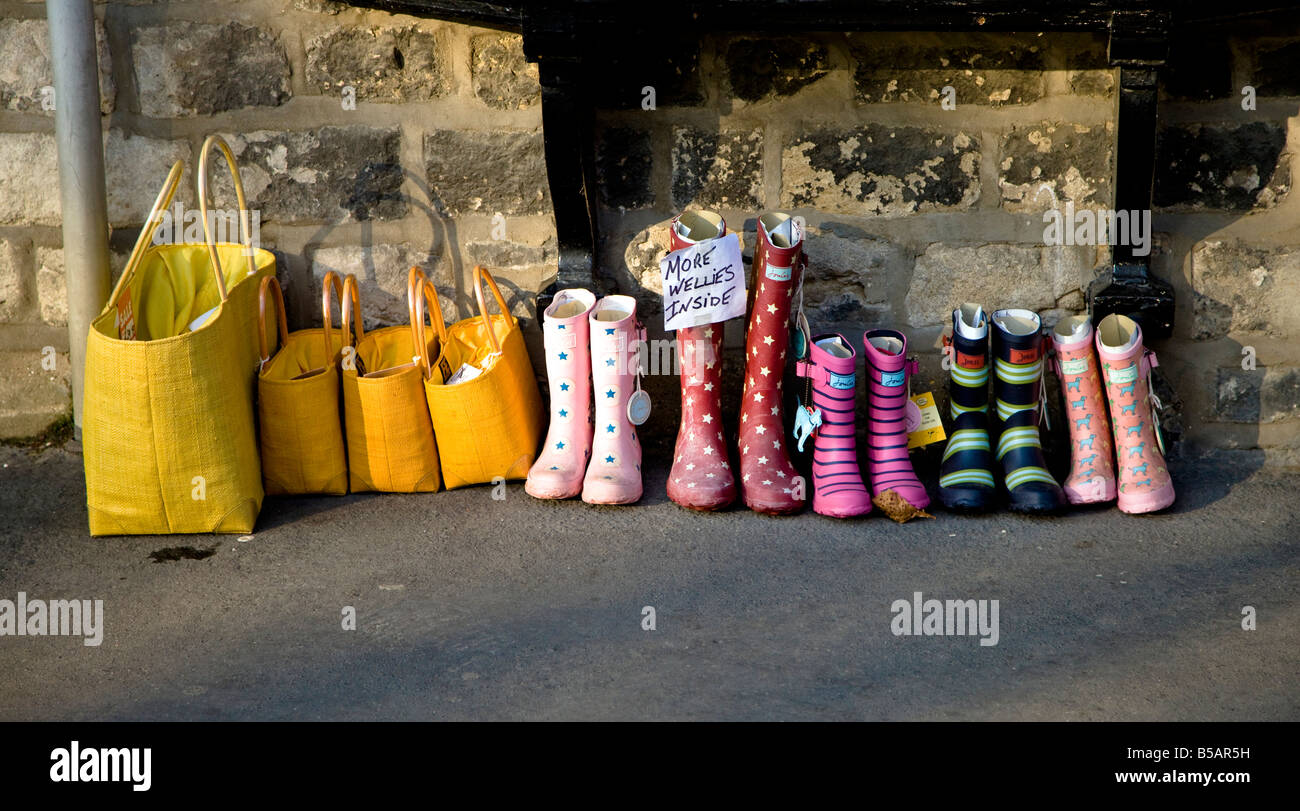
[
  {"x": 331, "y": 283},
  {"x": 164, "y": 199},
  {"x": 421, "y": 292},
  {"x": 350, "y": 311},
  {"x": 480, "y": 275},
  {"x": 414, "y": 279},
  {"x": 244, "y": 238},
  {"x": 270, "y": 283}
]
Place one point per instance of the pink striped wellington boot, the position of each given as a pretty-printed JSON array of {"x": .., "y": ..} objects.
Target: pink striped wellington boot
[
  {"x": 838, "y": 490},
  {"x": 887, "y": 370}
]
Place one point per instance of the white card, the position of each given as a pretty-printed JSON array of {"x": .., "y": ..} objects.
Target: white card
[{"x": 703, "y": 283}]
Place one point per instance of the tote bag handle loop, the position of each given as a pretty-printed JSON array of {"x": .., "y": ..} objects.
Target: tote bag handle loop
[
  {"x": 331, "y": 284},
  {"x": 160, "y": 205},
  {"x": 244, "y": 238},
  {"x": 480, "y": 275},
  {"x": 351, "y": 312},
  {"x": 270, "y": 283},
  {"x": 421, "y": 293}
]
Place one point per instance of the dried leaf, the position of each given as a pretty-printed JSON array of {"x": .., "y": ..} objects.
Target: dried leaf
[{"x": 897, "y": 508}]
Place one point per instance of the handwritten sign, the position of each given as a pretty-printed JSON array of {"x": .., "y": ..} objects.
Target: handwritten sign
[{"x": 704, "y": 283}]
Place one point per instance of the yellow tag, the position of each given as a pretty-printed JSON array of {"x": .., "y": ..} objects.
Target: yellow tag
[{"x": 924, "y": 424}]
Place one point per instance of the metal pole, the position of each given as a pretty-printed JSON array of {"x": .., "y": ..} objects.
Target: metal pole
[{"x": 81, "y": 175}]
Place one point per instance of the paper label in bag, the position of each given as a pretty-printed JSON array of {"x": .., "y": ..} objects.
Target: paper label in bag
[
  {"x": 125, "y": 317},
  {"x": 924, "y": 426},
  {"x": 202, "y": 319},
  {"x": 464, "y": 373},
  {"x": 703, "y": 283}
]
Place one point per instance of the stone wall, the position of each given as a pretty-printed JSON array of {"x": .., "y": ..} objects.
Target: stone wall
[
  {"x": 439, "y": 162},
  {"x": 912, "y": 204}
]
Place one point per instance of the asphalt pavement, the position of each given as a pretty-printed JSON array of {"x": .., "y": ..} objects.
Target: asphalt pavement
[{"x": 472, "y": 607}]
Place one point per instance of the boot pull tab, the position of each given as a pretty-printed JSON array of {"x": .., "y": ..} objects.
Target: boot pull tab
[
  {"x": 1149, "y": 363},
  {"x": 1051, "y": 356},
  {"x": 638, "y": 404}
]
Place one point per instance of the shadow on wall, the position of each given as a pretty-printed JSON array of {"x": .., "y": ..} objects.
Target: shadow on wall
[
  {"x": 383, "y": 298},
  {"x": 1228, "y": 95}
]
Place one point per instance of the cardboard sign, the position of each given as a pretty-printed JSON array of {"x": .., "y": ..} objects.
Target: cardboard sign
[{"x": 704, "y": 283}]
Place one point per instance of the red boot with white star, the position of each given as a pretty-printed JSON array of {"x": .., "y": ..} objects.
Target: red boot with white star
[
  {"x": 768, "y": 482},
  {"x": 701, "y": 477}
]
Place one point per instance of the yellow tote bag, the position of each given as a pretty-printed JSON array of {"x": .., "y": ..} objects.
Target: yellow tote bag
[
  {"x": 390, "y": 439},
  {"x": 488, "y": 426},
  {"x": 298, "y": 404},
  {"x": 167, "y": 424}
]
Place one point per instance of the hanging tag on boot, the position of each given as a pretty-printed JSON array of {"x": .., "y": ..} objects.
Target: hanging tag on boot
[
  {"x": 924, "y": 426},
  {"x": 1156, "y": 405},
  {"x": 806, "y": 418},
  {"x": 638, "y": 404},
  {"x": 1155, "y": 426},
  {"x": 806, "y": 421}
]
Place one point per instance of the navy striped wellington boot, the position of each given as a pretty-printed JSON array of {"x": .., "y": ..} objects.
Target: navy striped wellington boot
[
  {"x": 966, "y": 475},
  {"x": 1018, "y": 349}
]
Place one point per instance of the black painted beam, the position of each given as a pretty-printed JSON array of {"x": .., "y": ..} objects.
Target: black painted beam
[
  {"x": 1139, "y": 45},
  {"x": 568, "y": 125},
  {"x": 629, "y": 17}
]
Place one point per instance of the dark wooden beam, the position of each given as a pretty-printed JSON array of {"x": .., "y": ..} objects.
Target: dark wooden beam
[{"x": 1138, "y": 46}]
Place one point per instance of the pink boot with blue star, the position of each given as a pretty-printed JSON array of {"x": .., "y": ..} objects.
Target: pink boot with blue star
[
  {"x": 559, "y": 468},
  {"x": 614, "y": 474}
]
